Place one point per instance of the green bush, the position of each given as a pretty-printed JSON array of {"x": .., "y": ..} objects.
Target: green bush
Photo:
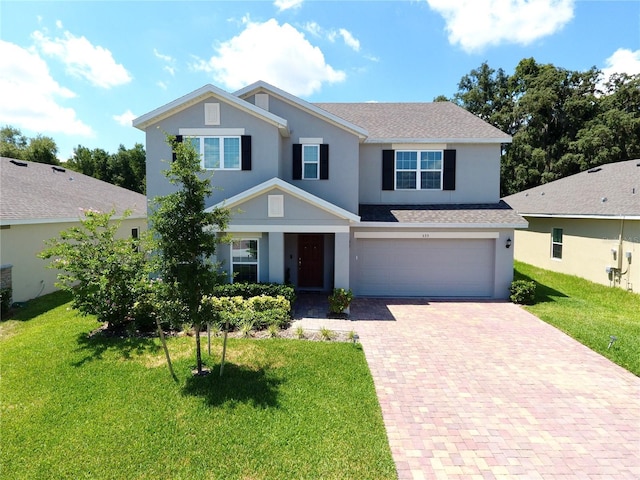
[
  {"x": 5, "y": 300},
  {"x": 339, "y": 300},
  {"x": 523, "y": 292},
  {"x": 248, "y": 290},
  {"x": 261, "y": 311}
]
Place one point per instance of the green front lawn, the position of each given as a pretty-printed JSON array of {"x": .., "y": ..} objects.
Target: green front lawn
[
  {"x": 78, "y": 407},
  {"x": 588, "y": 312}
]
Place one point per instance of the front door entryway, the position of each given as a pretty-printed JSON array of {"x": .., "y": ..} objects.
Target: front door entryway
[{"x": 310, "y": 261}]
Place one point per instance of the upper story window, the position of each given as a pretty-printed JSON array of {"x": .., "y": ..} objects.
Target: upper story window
[
  {"x": 218, "y": 152},
  {"x": 310, "y": 162},
  {"x": 418, "y": 170},
  {"x": 556, "y": 243}
]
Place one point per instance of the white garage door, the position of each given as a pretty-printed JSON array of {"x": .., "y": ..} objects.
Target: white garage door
[{"x": 427, "y": 268}]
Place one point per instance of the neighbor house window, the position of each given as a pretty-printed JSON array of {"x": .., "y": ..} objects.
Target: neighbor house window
[
  {"x": 556, "y": 243},
  {"x": 218, "y": 152},
  {"x": 244, "y": 259},
  {"x": 418, "y": 170},
  {"x": 310, "y": 162}
]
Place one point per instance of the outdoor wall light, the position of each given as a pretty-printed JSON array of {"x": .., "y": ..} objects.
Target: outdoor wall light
[{"x": 508, "y": 244}]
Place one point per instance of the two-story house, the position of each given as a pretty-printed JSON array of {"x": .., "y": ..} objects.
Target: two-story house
[{"x": 388, "y": 199}]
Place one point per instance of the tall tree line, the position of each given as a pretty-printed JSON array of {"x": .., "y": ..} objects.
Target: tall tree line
[
  {"x": 562, "y": 121},
  {"x": 125, "y": 168}
]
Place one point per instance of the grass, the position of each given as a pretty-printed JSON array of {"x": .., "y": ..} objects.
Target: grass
[
  {"x": 74, "y": 406},
  {"x": 588, "y": 312}
]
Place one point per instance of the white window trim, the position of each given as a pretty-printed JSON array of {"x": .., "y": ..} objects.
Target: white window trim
[
  {"x": 417, "y": 171},
  {"x": 316, "y": 162},
  {"x": 561, "y": 243},
  {"x": 221, "y": 139},
  {"x": 256, "y": 263}
]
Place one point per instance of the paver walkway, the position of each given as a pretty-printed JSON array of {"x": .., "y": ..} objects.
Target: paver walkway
[{"x": 486, "y": 390}]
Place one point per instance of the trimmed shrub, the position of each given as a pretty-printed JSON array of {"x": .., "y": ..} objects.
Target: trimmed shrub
[
  {"x": 248, "y": 290},
  {"x": 523, "y": 292}
]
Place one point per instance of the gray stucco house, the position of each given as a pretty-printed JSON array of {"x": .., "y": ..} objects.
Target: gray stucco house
[{"x": 388, "y": 199}]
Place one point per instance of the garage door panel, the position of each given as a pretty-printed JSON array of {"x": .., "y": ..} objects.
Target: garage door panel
[{"x": 432, "y": 268}]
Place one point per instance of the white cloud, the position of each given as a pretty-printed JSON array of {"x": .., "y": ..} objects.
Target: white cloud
[
  {"x": 125, "y": 119},
  {"x": 170, "y": 67},
  {"x": 278, "y": 54},
  {"x": 622, "y": 61},
  {"x": 317, "y": 31},
  {"x": 283, "y": 5},
  {"x": 82, "y": 59},
  {"x": 475, "y": 24},
  {"x": 30, "y": 96},
  {"x": 350, "y": 40}
]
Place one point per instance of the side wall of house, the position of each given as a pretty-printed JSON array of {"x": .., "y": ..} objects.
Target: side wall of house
[
  {"x": 21, "y": 245},
  {"x": 477, "y": 175},
  {"x": 586, "y": 249}
]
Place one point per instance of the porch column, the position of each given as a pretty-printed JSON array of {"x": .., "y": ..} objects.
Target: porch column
[
  {"x": 276, "y": 257},
  {"x": 341, "y": 260}
]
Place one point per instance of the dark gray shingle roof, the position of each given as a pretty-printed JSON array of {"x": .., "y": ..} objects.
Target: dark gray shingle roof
[
  {"x": 608, "y": 190},
  {"x": 39, "y": 191},
  {"x": 411, "y": 121},
  {"x": 464, "y": 214}
]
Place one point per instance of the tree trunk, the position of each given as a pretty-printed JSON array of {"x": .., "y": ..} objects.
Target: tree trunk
[
  {"x": 166, "y": 350},
  {"x": 198, "y": 352},
  {"x": 224, "y": 346}
]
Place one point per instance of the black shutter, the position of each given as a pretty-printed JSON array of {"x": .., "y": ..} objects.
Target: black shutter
[
  {"x": 388, "y": 169},
  {"x": 246, "y": 151},
  {"x": 449, "y": 170},
  {"x": 324, "y": 161},
  {"x": 297, "y": 161},
  {"x": 173, "y": 153}
]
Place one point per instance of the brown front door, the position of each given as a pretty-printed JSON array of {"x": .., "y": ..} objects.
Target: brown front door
[{"x": 310, "y": 261}]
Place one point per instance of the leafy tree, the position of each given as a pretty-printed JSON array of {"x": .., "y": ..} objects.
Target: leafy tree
[
  {"x": 39, "y": 149},
  {"x": 125, "y": 168},
  {"x": 12, "y": 143},
  {"x": 101, "y": 271},
  {"x": 561, "y": 123},
  {"x": 185, "y": 237}
]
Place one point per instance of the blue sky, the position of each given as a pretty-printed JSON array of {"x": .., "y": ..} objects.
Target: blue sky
[{"x": 80, "y": 71}]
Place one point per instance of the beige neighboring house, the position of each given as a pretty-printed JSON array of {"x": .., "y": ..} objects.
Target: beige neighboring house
[
  {"x": 37, "y": 201},
  {"x": 587, "y": 225}
]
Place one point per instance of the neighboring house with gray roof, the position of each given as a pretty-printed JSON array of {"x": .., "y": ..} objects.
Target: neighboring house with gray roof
[
  {"x": 388, "y": 199},
  {"x": 586, "y": 224},
  {"x": 37, "y": 201}
]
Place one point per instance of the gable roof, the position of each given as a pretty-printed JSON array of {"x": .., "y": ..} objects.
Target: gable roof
[
  {"x": 208, "y": 91},
  {"x": 442, "y": 122},
  {"x": 477, "y": 215},
  {"x": 610, "y": 190},
  {"x": 42, "y": 193},
  {"x": 264, "y": 87},
  {"x": 290, "y": 189}
]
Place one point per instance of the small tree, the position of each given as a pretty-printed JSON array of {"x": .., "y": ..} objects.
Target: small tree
[
  {"x": 100, "y": 270},
  {"x": 185, "y": 236}
]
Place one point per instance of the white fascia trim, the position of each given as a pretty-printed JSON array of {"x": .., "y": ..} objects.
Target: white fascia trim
[
  {"x": 36, "y": 221},
  {"x": 290, "y": 189},
  {"x": 207, "y": 91},
  {"x": 465, "y": 226},
  {"x": 439, "y": 140},
  {"x": 582, "y": 216},
  {"x": 261, "y": 86},
  {"x": 423, "y": 234},
  {"x": 288, "y": 228}
]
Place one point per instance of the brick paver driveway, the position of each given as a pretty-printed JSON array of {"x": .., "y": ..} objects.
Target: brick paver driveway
[{"x": 486, "y": 390}]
